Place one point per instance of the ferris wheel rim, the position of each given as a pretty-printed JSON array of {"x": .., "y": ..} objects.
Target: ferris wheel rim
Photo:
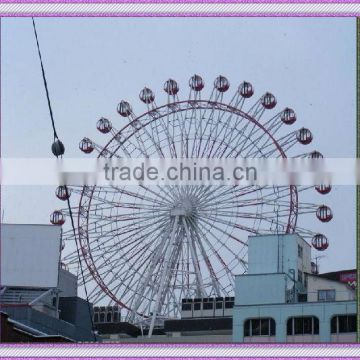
[{"x": 224, "y": 107}]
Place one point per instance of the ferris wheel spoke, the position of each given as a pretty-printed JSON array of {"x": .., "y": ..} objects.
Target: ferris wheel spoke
[
  {"x": 122, "y": 217},
  {"x": 135, "y": 240},
  {"x": 236, "y": 204},
  {"x": 112, "y": 233},
  {"x": 111, "y": 203},
  {"x": 134, "y": 232},
  {"x": 214, "y": 279},
  {"x": 155, "y": 261},
  {"x": 122, "y": 276},
  {"x": 164, "y": 273},
  {"x": 169, "y": 137},
  {"x": 272, "y": 126},
  {"x": 121, "y": 259},
  {"x": 119, "y": 263},
  {"x": 202, "y": 134},
  {"x": 242, "y": 227},
  {"x": 198, "y": 128},
  {"x": 213, "y": 124},
  {"x": 203, "y": 229},
  {"x": 218, "y": 195},
  {"x": 157, "y": 194},
  {"x": 174, "y": 259},
  {"x": 213, "y": 129},
  {"x": 195, "y": 261},
  {"x": 285, "y": 143},
  {"x": 142, "y": 197},
  {"x": 230, "y": 224},
  {"x": 153, "y": 141},
  {"x": 129, "y": 276},
  {"x": 232, "y": 135},
  {"x": 229, "y": 273},
  {"x": 256, "y": 148},
  {"x": 138, "y": 144},
  {"x": 223, "y": 130},
  {"x": 237, "y": 138},
  {"x": 180, "y": 119},
  {"x": 187, "y": 132}
]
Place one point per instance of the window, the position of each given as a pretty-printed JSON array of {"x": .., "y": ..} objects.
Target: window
[
  {"x": 197, "y": 306},
  {"x": 300, "y": 276},
  {"x": 259, "y": 327},
  {"x": 219, "y": 305},
  {"x": 300, "y": 251},
  {"x": 116, "y": 316},
  {"x": 343, "y": 324},
  {"x": 229, "y": 305},
  {"x": 305, "y": 280},
  {"x": 255, "y": 327},
  {"x": 186, "y": 307},
  {"x": 108, "y": 317},
  {"x": 96, "y": 318},
  {"x": 102, "y": 317},
  {"x": 208, "y": 306},
  {"x": 326, "y": 295},
  {"x": 308, "y": 325}
]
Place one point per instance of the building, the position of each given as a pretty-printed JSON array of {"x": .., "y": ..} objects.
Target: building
[
  {"x": 344, "y": 276},
  {"x": 15, "y": 331},
  {"x": 280, "y": 300},
  {"x": 202, "y": 320},
  {"x": 38, "y": 298}
]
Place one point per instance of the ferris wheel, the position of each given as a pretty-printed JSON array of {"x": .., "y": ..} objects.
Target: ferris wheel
[{"x": 146, "y": 248}]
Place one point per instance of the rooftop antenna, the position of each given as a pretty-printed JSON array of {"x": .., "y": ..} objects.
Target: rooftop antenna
[{"x": 317, "y": 262}]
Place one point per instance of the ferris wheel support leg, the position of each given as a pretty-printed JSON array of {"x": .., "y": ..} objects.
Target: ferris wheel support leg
[
  {"x": 163, "y": 276},
  {"x": 195, "y": 259}
]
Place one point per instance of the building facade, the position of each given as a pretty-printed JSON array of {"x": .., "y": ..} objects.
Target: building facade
[
  {"x": 280, "y": 300},
  {"x": 37, "y": 295}
]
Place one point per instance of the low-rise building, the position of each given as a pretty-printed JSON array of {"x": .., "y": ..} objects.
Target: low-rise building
[
  {"x": 280, "y": 300},
  {"x": 38, "y": 298}
]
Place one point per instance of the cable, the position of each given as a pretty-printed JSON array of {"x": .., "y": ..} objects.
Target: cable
[
  {"x": 45, "y": 82},
  {"x": 66, "y": 189}
]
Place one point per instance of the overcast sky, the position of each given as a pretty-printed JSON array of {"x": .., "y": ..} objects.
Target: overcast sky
[{"x": 91, "y": 64}]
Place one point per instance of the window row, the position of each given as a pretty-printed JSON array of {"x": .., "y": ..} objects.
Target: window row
[
  {"x": 208, "y": 306},
  {"x": 306, "y": 325},
  {"x": 106, "y": 318}
]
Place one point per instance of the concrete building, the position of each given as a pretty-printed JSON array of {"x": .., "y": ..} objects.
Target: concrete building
[
  {"x": 280, "y": 300},
  {"x": 37, "y": 295}
]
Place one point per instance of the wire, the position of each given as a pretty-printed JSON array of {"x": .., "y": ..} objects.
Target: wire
[
  {"x": 66, "y": 189},
  {"x": 45, "y": 82}
]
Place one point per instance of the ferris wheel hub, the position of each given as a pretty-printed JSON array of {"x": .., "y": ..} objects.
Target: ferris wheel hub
[{"x": 184, "y": 207}]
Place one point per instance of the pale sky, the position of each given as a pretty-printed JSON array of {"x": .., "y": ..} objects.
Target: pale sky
[{"x": 91, "y": 64}]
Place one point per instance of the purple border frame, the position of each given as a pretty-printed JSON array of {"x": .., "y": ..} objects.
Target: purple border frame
[
  {"x": 181, "y": 2},
  {"x": 181, "y": 14},
  {"x": 161, "y": 15},
  {"x": 183, "y": 345},
  {"x": 210, "y": 14}
]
